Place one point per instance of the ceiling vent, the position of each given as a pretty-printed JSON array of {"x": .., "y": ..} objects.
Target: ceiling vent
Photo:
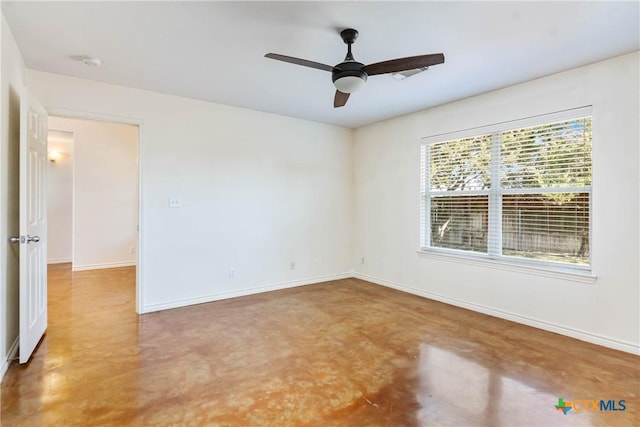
[{"x": 408, "y": 73}]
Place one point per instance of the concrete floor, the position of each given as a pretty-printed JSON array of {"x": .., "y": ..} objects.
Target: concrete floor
[{"x": 343, "y": 353}]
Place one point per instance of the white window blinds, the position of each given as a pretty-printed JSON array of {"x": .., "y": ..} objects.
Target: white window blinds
[
  {"x": 555, "y": 155},
  {"x": 518, "y": 190}
]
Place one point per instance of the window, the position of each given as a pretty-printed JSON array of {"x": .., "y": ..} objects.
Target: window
[{"x": 518, "y": 191}]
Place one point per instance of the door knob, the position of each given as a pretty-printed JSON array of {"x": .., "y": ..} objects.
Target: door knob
[{"x": 22, "y": 239}]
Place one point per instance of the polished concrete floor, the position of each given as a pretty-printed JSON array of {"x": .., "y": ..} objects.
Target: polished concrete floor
[{"x": 344, "y": 353}]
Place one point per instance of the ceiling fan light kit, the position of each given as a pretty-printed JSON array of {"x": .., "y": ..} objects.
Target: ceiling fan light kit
[
  {"x": 349, "y": 81},
  {"x": 350, "y": 76}
]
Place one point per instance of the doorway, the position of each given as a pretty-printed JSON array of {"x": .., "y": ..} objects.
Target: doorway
[
  {"x": 60, "y": 197},
  {"x": 93, "y": 193}
]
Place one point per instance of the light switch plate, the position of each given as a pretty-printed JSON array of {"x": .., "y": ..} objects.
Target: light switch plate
[{"x": 175, "y": 202}]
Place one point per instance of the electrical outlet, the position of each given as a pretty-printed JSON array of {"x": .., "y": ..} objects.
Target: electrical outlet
[
  {"x": 362, "y": 260},
  {"x": 132, "y": 250},
  {"x": 315, "y": 263},
  {"x": 175, "y": 202},
  {"x": 232, "y": 273},
  {"x": 292, "y": 265}
]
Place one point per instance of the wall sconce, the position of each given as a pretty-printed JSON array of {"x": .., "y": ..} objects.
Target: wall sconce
[{"x": 54, "y": 156}]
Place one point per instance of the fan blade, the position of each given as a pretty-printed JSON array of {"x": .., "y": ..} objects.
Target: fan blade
[
  {"x": 403, "y": 64},
  {"x": 299, "y": 61},
  {"x": 340, "y": 99}
]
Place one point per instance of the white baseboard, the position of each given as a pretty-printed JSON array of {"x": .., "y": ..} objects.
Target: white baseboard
[
  {"x": 627, "y": 347},
  {"x": 103, "y": 266},
  {"x": 59, "y": 261},
  {"x": 243, "y": 292},
  {"x": 11, "y": 354}
]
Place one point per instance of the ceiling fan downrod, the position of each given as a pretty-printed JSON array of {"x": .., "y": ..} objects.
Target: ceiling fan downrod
[{"x": 349, "y": 36}]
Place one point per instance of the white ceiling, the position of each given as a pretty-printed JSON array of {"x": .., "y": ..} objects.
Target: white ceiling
[{"x": 214, "y": 50}]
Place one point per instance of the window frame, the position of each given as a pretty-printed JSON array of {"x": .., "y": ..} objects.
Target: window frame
[{"x": 493, "y": 258}]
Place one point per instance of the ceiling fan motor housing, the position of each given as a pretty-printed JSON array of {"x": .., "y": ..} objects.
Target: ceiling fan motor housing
[{"x": 348, "y": 76}]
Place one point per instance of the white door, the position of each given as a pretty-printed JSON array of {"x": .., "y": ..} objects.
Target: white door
[{"x": 33, "y": 225}]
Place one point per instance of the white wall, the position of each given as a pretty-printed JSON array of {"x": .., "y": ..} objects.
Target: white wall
[
  {"x": 11, "y": 77},
  {"x": 386, "y": 167},
  {"x": 105, "y": 192},
  {"x": 60, "y": 198},
  {"x": 257, "y": 190}
]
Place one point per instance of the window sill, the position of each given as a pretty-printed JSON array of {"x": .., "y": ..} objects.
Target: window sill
[{"x": 574, "y": 275}]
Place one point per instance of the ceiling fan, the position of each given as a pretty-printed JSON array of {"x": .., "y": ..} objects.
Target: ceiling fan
[{"x": 351, "y": 75}]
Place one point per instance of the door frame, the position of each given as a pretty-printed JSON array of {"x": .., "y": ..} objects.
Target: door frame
[{"x": 73, "y": 114}]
